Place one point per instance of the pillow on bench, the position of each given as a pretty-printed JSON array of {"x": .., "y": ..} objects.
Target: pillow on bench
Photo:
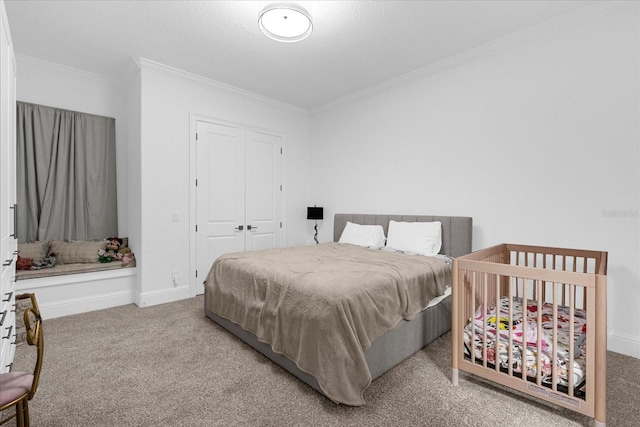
[
  {"x": 76, "y": 252},
  {"x": 36, "y": 250}
]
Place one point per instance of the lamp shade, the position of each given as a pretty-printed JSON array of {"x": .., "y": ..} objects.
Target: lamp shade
[{"x": 314, "y": 213}]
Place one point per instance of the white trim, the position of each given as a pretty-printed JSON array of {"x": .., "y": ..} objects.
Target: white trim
[
  {"x": 202, "y": 118},
  {"x": 6, "y": 27},
  {"x": 72, "y": 306},
  {"x": 624, "y": 343},
  {"x": 69, "y": 72},
  {"x": 185, "y": 76},
  {"x": 147, "y": 299},
  {"x": 563, "y": 22},
  {"x": 131, "y": 70}
]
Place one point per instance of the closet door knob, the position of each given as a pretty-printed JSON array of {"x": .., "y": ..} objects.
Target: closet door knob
[
  {"x": 250, "y": 227},
  {"x": 241, "y": 227}
]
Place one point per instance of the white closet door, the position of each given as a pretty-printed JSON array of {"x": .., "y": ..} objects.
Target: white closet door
[
  {"x": 263, "y": 191},
  {"x": 239, "y": 193},
  {"x": 220, "y": 193},
  {"x": 8, "y": 242}
]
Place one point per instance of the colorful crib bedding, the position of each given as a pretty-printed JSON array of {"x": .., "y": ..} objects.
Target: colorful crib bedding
[{"x": 516, "y": 325}]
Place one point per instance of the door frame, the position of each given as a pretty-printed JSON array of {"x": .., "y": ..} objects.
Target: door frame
[{"x": 194, "y": 281}]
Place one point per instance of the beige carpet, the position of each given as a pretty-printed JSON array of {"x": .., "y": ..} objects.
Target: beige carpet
[{"x": 169, "y": 365}]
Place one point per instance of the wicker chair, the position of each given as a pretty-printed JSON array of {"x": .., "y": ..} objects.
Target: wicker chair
[{"x": 18, "y": 388}]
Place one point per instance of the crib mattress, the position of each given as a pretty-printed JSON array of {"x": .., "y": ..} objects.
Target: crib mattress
[{"x": 498, "y": 324}]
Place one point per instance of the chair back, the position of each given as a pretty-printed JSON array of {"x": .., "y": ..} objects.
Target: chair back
[{"x": 34, "y": 336}]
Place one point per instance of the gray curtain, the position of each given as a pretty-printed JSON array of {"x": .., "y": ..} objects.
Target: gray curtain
[{"x": 66, "y": 175}]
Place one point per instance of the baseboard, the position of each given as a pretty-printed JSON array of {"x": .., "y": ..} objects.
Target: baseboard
[
  {"x": 147, "y": 299},
  {"x": 82, "y": 305},
  {"x": 624, "y": 344}
]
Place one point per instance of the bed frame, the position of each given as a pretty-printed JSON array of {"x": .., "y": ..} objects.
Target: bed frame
[
  {"x": 562, "y": 277},
  {"x": 408, "y": 337}
]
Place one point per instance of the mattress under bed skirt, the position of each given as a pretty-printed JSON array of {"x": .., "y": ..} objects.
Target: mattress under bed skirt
[{"x": 385, "y": 352}]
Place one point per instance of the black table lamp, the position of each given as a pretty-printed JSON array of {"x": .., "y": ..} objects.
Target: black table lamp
[{"x": 315, "y": 213}]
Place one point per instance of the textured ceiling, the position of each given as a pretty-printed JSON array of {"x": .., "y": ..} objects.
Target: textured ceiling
[{"x": 354, "y": 45}]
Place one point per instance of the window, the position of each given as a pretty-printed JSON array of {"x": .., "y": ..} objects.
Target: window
[{"x": 66, "y": 174}]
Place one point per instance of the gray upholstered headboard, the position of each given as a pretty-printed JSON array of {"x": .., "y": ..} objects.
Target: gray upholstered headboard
[{"x": 456, "y": 230}]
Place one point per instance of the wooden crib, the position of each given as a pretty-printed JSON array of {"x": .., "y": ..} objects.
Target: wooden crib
[{"x": 552, "y": 299}]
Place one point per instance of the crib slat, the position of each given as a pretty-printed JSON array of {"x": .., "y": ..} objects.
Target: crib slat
[
  {"x": 564, "y": 288},
  {"x": 523, "y": 341},
  {"x": 496, "y": 348},
  {"x": 510, "y": 349},
  {"x": 539, "y": 339},
  {"x": 544, "y": 282},
  {"x": 472, "y": 349},
  {"x": 554, "y": 366},
  {"x": 570, "y": 367},
  {"x": 535, "y": 264},
  {"x": 485, "y": 309}
]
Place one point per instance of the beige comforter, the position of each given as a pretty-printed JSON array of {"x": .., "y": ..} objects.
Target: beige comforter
[{"x": 322, "y": 305}]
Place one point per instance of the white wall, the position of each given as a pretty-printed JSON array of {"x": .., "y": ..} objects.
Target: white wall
[
  {"x": 46, "y": 83},
  {"x": 538, "y": 143},
  {"x": 168, "y": 98}
]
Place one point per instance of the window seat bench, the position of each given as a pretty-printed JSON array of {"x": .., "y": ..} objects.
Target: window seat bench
[{"x": 68, "y": 289}]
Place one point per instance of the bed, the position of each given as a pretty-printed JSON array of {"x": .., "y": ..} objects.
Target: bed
[
  {"x": 356, "y": 332},
  {"x": 534, "y": 319}
]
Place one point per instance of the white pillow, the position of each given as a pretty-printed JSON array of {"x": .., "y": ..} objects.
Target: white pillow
[
  {"x": 363, "y": 235},
  {"x": 423, "y": 238}
]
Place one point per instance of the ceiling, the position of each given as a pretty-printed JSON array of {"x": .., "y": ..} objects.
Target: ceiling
[{"x": 354, "y": 44}]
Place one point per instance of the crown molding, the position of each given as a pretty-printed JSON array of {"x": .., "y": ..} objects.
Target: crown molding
[
  {"x": 132, "y": 69},
  {"x": 5, "y": 23},
  {"x": 552, "y": 26},
  {"x": 65, "y": 71},
  {"x": 187, "y": 77}
]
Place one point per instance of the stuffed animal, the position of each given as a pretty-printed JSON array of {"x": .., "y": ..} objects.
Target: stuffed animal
[
  {"x": 113, "y": 244},
  {"x": 110, "y": 252},
  {"x": 48, "y": 262},
  {"x": 128, "y": 258},
  {"x": 24, "y": 263},
  {"x": 124, "y": 245}
]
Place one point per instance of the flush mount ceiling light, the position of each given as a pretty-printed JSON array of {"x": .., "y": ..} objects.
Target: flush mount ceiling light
[{"x": 285, "y": 22}]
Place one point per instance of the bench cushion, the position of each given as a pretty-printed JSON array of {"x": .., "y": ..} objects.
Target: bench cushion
[{"x": 63, "y": 269}]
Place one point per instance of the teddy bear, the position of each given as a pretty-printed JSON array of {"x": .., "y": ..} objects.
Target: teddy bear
[{"x": 110, "y": 252}]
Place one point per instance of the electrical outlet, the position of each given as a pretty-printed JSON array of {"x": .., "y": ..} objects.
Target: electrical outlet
[{"x": 174, "y": 278}]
